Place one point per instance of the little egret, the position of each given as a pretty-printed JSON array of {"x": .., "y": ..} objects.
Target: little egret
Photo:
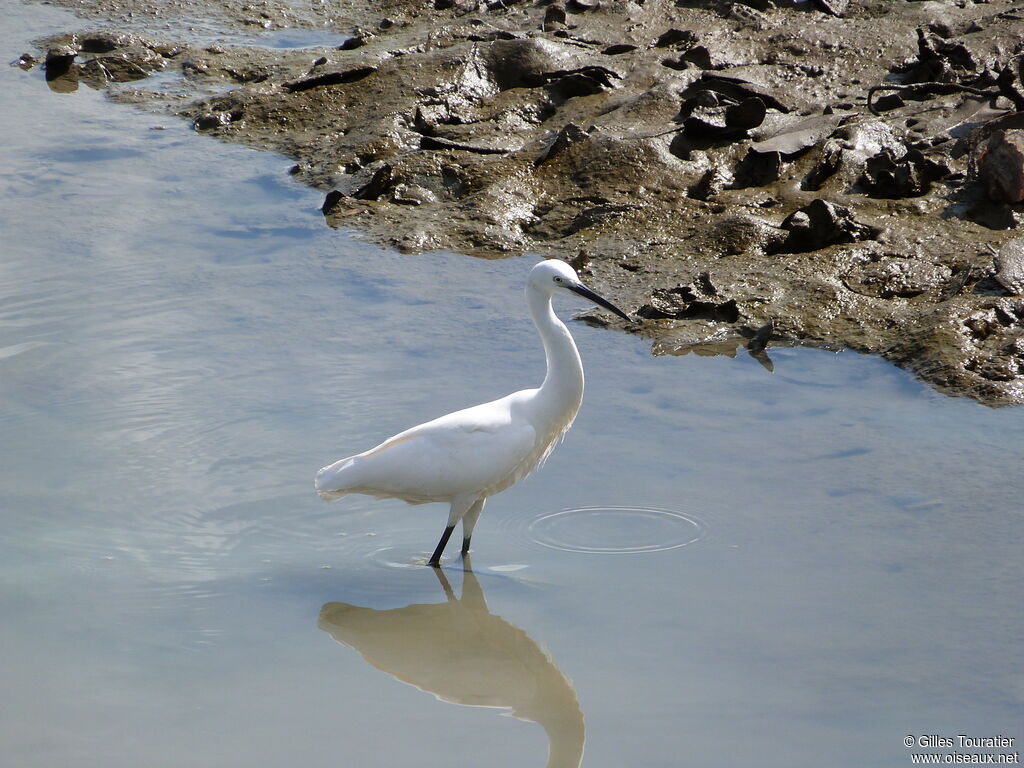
[{"x": 469, "y": 455}]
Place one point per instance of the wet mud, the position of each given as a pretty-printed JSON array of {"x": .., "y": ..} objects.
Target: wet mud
[{"x": 837, "y": 173}]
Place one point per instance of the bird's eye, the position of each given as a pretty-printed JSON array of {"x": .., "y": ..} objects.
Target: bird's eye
[{"x": 558, "y": 279}]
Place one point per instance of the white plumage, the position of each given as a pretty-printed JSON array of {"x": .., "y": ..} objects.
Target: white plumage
[{"x": 466, "y": 456}]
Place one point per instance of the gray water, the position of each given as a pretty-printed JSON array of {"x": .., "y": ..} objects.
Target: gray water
[{"x": 719, "y": 567}]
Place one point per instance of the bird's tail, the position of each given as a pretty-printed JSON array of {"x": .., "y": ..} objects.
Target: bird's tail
[{"x": 333, "y": 482}]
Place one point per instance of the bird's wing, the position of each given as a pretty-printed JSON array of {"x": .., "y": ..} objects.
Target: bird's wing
[{"x": 465, "y": 452}]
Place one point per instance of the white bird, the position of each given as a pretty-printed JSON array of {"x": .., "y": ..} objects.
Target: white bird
[{"x": 466, "y": 456}]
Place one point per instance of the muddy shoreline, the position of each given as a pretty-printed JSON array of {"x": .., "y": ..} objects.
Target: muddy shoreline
[{"x": 715, "y": 167}]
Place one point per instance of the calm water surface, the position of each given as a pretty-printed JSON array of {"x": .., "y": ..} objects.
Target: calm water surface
[{"x": 720, "y": 566}]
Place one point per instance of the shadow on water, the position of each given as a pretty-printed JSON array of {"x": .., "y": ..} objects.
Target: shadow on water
[{"x": 462, "y": 653}]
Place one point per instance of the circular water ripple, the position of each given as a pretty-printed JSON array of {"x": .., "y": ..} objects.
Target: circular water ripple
[
  {"x": 398, "y": 556},
  {"x": 615, "y": 530}
]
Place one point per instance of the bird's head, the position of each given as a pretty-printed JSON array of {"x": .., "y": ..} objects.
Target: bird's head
[{"x": 555, "y": 276}]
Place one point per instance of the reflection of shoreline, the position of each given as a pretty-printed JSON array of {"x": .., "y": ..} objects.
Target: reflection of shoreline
[{"x": 461, "y": 653}]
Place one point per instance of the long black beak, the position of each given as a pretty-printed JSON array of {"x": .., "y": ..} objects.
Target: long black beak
[{"x": 586, "y": 293}]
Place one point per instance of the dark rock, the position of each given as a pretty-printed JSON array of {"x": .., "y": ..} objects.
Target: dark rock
[
  {"x": 821, "y": 224},
  {"x": 701, "y": 98},
  {"x": 494, "y": 34},
  {"x": 121, "y": 67},
  {"x": 938, "y": 60},
  {"x": 706, "y": 117},
  {"x": 352, "y": 43},
  {"x": 1001, "y": 166},
  {"x": 682, "y": 303},
  {"x": 735, "y": 88},
  {"x": 888, "y": 102},
  {"x": 438, "y": 142},
  {"x": 329, "y": 78},
  {"x": 585, "y": 81},
  {"x": 615, "y": 50},
  {"x": 757, "y": 169},
  {"x": 748, "y": 114},
  {"x": 381, "y": 181},
  {"x": 908, "y": 176},
  {"x": 699, "y": 56},
  {"x": 554, "y": 15},
  {"x": 59, "y": 61},
  {"x": 709, "y": 123},
  {"x": 331, "y": 201},
  {"x": 211, "y": 120},
  {"x": 26, "y": 61},
  {"x": 674, "y": 36},
  {"x": 103, "y": 43}
]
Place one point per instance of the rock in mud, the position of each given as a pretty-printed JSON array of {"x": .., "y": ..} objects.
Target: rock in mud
[
  {"x": 381, "y": 181},
  {"x": 821, "y": 224},
  {"x": 937, "y": 60},
  {"x": 25, "y": 62},
  {"x": 1001, "y": 169},
  {"x": 757, "y": 169},
  {"x": 888, "y": 175},
  {"x": 329, "y": 78},
  {"x": 684, "y": 302},
  {"x": 59, "y": 60}
]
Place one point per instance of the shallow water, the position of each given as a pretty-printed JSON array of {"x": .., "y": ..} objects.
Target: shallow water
[{"x": 720, "y": 566}]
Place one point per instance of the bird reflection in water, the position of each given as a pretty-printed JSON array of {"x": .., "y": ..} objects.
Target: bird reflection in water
[{"x": 462, "y": 653}]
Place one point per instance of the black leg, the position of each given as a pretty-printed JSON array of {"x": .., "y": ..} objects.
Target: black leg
[
  {"x": 435, "y": 559},
  {"x": 465, "y": 546}
]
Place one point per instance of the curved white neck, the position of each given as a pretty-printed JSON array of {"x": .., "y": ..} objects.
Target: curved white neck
[{"x": 561, "y": 393}]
